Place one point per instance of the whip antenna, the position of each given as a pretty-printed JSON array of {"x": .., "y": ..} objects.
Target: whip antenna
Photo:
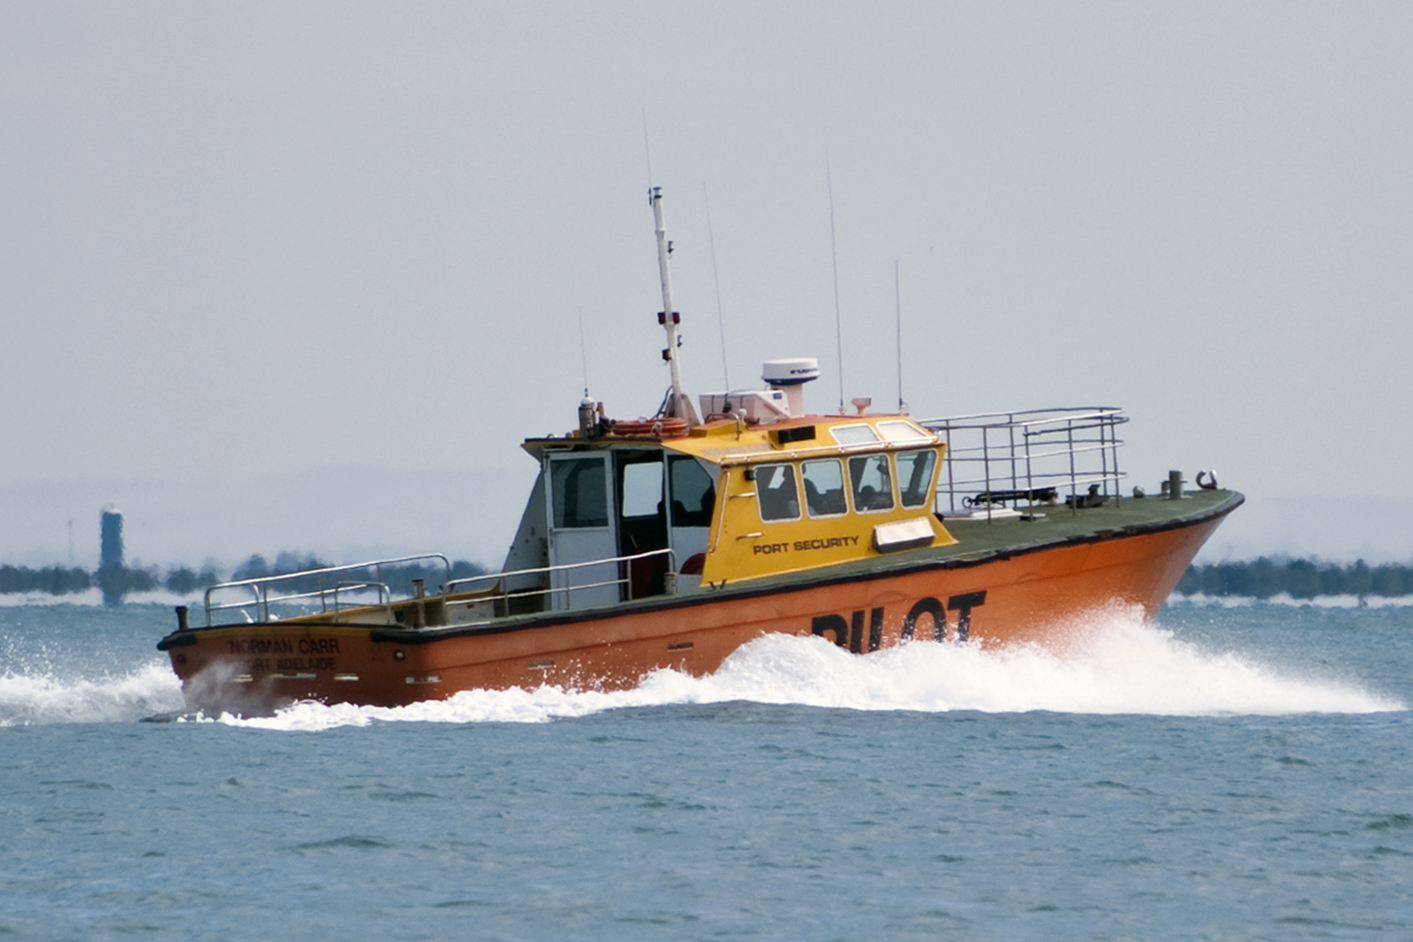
[
  {"x": 583, "y": 352},
  {"x": 720, "y": 322},
  {"x": 647, "y": 151},
  {"x": 834, "y": 255},
  {"x": 898, "y": 302}
]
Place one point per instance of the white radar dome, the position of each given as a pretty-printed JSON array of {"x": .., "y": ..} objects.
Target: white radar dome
[{"x": 791, "y": 372}]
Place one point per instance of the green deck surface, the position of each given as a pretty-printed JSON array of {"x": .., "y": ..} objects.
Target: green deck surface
[
  {"x": 1005, "y": 535},
  {"x": 1061, "y": 523}
]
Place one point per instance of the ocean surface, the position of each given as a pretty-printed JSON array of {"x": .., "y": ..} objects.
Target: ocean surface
[{"x": 1228, "y": 772}]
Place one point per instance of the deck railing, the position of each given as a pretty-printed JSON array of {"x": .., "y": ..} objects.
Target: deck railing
[
  {"x": 500, "y": 587},
  {"x": 256, "y": 597},
  {"x": 1028, "y": 458},
  {"x": 313, "y": 585}
]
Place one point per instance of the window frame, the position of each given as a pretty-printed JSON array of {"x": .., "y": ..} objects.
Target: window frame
[
  {"x": 892, "y": 485},
  {"x": 789, "y": 467},
  {"x": 930, "y": 487},
  {"x": 843, "y": 488}
]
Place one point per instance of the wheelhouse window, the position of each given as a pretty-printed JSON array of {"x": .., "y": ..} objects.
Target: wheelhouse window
[
  {"x": 915, "y": 476},
  {"x": 854, "y": 434},
  {"x": 776, "y": 493},
  {"x": 903, "y": 433},
  {"x": 872, "y": 483},
  {"x": 824, "y": 487},
  {"x": 580, "y": 493},
  {"x": 640, "y": 486},
  {"x": 693, "y": 492}
]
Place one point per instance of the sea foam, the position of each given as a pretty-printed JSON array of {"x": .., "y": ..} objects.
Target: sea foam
[
  {"x": 1114, "y": 664},
  {"x": 41, "y": 697}
]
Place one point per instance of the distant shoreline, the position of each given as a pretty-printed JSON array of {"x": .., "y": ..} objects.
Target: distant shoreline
[
  {"x": 1301, "y": 579},
  {"x": 117, "y": 582}
]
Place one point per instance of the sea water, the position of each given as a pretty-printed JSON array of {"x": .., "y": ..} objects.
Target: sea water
[{"x": 1227, "y": 772}]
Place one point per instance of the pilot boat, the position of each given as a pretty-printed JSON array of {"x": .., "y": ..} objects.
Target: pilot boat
[{"x": 670, "y": 542}]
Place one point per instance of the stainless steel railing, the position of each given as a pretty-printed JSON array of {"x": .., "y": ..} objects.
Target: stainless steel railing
[
  {"x": 1028, "y": 458},
  {"x": 260, "y": 593},
  {"x": 501, "y": 586}
]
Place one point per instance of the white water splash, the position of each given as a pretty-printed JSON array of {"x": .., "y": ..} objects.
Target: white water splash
[
  {"x": 1117, "y": 665},
  {"x": 40, "y": 698}
]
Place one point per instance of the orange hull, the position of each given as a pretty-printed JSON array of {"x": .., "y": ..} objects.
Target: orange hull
[{"x": 1027, "y": 595}]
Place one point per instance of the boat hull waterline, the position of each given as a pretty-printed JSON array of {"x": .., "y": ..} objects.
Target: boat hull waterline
[{"x": 1026, "y": 592}]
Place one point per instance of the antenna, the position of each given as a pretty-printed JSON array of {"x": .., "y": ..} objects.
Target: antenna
[
  {"x": 583, "y": 352},
  {"x": 646, "y": 149},
  {"x": 720, "y": 323},
  {"x": 834, "y": 254},
  {"x": 897, "y": 301}
]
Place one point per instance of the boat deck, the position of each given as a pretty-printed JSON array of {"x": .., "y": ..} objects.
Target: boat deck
[
  {"x": 1008, "y": 534},
  {"x": 1012, "y": 532}
]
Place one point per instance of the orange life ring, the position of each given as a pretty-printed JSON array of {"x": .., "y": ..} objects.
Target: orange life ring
[{"x": 650, "y": 428}]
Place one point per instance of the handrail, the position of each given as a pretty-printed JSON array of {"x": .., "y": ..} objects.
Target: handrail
[
  {"x": 262, "y": 597},
  {"x": 1018, "y": 456},
  {"x": 504, "y": 578}
]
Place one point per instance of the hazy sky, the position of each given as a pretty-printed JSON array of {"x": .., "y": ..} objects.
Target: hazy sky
[{"x": 242, "y": 241}]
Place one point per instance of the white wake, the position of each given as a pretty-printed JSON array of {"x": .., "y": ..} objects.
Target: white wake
[
  {"x": 43, "y": 696},
  {"x": 1117, "y": 665}
]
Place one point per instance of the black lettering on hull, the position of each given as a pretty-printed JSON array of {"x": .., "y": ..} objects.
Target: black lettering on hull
[
  {"x": 849, "y": 633},
  {"x": 927, "y": 606},
  {"x": 856, "y": 632},
  {"x": 834, "y": 623},
  {"x": 964, "y": 604},
  {"x": 261, "y": 646}
]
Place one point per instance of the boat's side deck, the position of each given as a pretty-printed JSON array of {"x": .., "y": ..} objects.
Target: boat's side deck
[{"x": 978, "y": 536}]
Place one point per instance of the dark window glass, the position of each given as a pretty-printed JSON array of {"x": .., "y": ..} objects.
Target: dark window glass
[
  {"x": 872, "y": 483},
  {"x": 775, "y": 490},
  {"x": 824, "y": 487},
  {"x": 915, "y": 476},
  {"x": 580, "y": 493},
  {"x": 693, "y": 493}
]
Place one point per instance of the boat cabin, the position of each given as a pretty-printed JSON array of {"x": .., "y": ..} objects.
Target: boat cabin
[{"x": 659, "y": 508}]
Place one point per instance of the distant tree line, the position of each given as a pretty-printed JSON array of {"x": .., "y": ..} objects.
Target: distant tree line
[
  {"x": 56, "y": 580},
  {"x": 118, "y": 581},
  {"x": 1299, "y": 578}
]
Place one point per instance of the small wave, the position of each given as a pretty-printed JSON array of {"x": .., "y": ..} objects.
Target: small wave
[
  {"x": 30, "y": 599},
  {"x": 1115, "y": 665},
  {"x": 1285, "y": 598},
  {"x": 32, "y": 699}
]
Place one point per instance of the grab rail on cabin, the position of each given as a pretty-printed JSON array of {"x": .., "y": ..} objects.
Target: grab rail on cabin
[
  {"x": 314, "y": 584},
  {"x": 1026, "y": 458},
  {"x": 500, "y": 589}
]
